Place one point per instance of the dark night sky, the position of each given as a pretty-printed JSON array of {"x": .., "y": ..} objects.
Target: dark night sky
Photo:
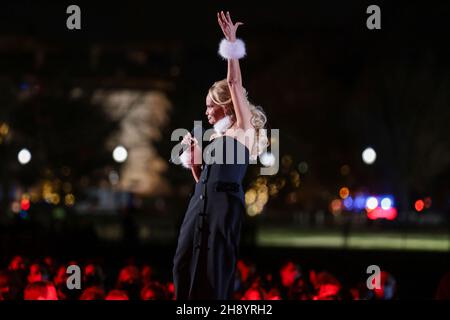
[
  {"x": 181, "y": 20},
  {"x": 309, "y": 62}
]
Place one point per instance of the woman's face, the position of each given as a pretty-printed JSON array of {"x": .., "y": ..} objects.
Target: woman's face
[{"x": 213, "y": 112}]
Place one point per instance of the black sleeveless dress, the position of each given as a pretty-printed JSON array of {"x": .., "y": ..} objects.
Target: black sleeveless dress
[{"x": 208, "y": 243}]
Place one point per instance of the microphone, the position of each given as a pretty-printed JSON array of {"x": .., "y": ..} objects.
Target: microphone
[{"x": 196, "y": 132}]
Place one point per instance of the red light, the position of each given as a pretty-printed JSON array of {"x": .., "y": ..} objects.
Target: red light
[
  {"x": 427, "y": 202},
  {"x": 379, "y": 213},
  {"x": 419, "y": 205},
  {"x": 25, "y": 204}
]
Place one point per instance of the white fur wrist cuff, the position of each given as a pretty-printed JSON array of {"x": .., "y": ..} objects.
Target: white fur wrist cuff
[
  {"x": 185, "y": 159},
  {"x": 232, "y": 50}
]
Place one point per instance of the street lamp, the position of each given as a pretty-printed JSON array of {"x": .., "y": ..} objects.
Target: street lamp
[
  {"x": 120, "y": 154},
  {"x": 24, "y": 156},
  {"x": 369, "y": 156}
]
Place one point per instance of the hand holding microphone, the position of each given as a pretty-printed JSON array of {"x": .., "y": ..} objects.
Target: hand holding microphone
[
  {"x": 190, "y": 140},
  {"x": 188, "y": 157}
]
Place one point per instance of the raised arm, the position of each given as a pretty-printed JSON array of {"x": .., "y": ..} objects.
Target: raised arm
[{"x": 234, "y": 77}]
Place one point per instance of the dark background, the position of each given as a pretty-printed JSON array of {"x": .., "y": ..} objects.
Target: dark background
[{"x": 328, "y": 83}]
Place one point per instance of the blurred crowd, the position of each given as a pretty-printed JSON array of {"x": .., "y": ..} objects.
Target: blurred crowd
[{"x": 46, "y": 279}]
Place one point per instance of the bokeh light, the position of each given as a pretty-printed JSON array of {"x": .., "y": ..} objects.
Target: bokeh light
[
  {"x": 250, "y": 196},
  {"x": 15, "y": 207},
  {"x": 251, "y": 210},
  {"x": 69, "y": 200},
  {"x": 369, "y": 156},
  {"x": 25, "y": 204},
  {"x": 260, "y": 181},
  {"x": 113, "y": 177},
  {"x": 379, "y": 213},
  {"x": 4, "y": 129},
  {"x": 360, "y": 202},
  {"x": 267, "y": 159},
  {"x": 303, "y": 167},
  {"x": 348, "y": 203},
  {"x": 24, "y": 156},
  {"x": 371, "y": 203},
  {"x": 120, "y": 154},
  {"x": 344, "y": 192},
  {"x": 295, "y": 178},
  {"x": 54, "y": 198},
  {"x": 419, "y": 205},
  {"x": 273, "y": 190},
  {"x": 427, "y": 201},
  {"x": 336, "y": 206},
  {"x": 386, "y": 203}
]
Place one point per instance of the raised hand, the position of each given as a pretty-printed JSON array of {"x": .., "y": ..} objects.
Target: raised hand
[{"x": 228, "y": 27}]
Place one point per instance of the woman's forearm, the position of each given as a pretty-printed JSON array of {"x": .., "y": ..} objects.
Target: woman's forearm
[
  {"x": 234, "y": 72},
  {"x": 195, "y": 169},
  {"x": 234, "y": 79}
]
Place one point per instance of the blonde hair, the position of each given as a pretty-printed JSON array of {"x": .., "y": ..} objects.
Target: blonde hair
[{"x": 220, "y": 94}]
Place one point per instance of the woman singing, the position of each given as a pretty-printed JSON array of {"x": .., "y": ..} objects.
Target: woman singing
[{"x": 205, "y": 259}]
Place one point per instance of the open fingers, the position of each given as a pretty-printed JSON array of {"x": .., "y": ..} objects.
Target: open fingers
[
  {"x": 219, "y": 19},
  {"x": 224, "y": 18},
  {"x": 221, "y": 23},
  {"x": 229, "y": 18}
]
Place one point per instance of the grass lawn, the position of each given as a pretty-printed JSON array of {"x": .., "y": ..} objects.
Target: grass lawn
[{"x": 274, "y": 237}]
